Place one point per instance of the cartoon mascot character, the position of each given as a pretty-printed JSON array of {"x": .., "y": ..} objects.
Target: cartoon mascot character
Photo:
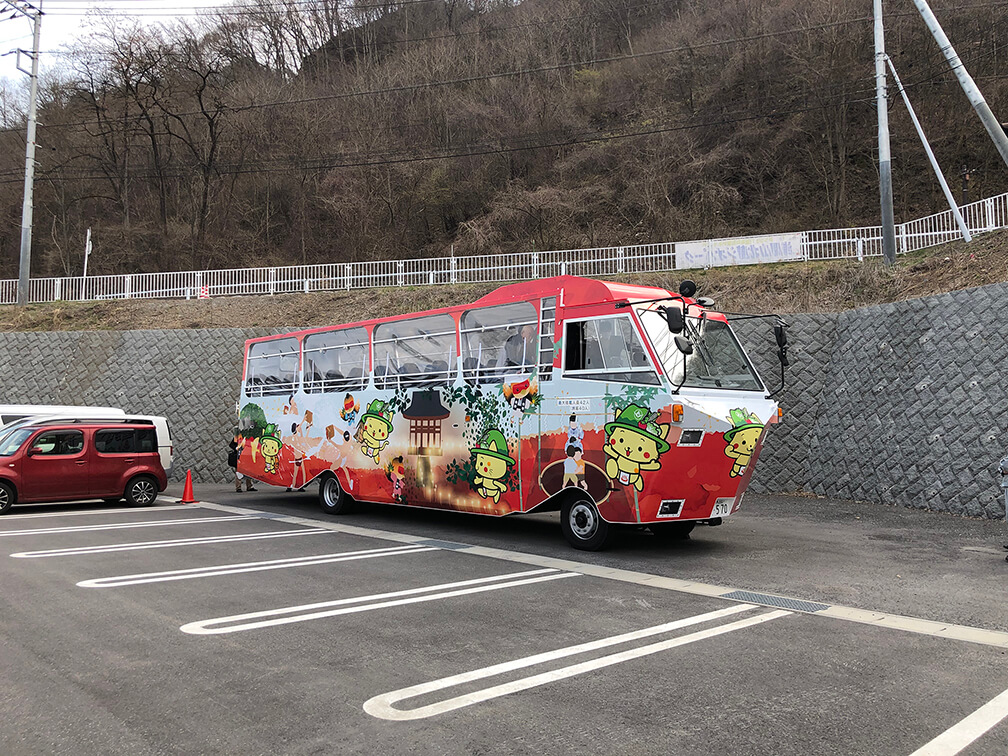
[
  {"x": 492, "y": 462},
  {"x": 269, "y": 445},
  {"x": 634, "y": 444},
  {"x": 374, "y": 429},
  {"x": 741, "y": 438}
]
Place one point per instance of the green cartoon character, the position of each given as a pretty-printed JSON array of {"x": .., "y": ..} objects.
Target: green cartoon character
[
  {"x": 491, "y": 461},
  {"x": 269, "y": 445},
  {"x": 374, "y": 429},
  {"x": 741, "y": 438},
  {"x": 634, "y": 443}
]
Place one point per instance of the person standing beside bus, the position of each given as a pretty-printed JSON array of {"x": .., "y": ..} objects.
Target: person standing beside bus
[{"x": 233, "y": 454}]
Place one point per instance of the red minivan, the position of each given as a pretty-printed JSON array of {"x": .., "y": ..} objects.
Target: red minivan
[{"x": 86, "y": 459}]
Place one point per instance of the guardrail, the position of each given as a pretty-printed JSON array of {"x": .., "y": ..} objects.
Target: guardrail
[{"x": 825, "y": 244}]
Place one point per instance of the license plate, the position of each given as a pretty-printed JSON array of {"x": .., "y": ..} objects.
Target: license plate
[{"x": 722, "y": 507}]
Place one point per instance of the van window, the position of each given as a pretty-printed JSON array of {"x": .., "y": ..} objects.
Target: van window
[
  {"x": 272, "y": 367},
  {"x": 500, "y": 341},
  {"x": 606, "y": 349},
  {"x": 335, "y": 360},
  {"x": 63, "y": 442},
  {"x": 414, "y": 352},
  {"x": 126, "y": 441}
]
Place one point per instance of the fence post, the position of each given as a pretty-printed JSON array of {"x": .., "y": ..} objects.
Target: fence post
[
  {"x": 860, "y": 249},
  {"x": 59, "y": 289},
  {"x": 989, "y": 212},
  {"x": 901, "y": 230},
  {"x": 400, "y": 276},
  {"x": 129, "y": 286},
  {"x": 620, "y": 260},
  {"x": 535, "y": 266},
  {"x": 454, "y": 269},
  {"x": 306, "y": 283},
  {"x": 272, "y": 281}
]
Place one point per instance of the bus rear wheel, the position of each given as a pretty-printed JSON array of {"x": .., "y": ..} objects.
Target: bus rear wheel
[
  {"x": 582, "y": 525},
  {"x": 332, "y": 498}
]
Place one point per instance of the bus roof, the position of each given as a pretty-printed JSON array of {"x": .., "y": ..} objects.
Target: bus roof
[{"x": 577, "y": 292}]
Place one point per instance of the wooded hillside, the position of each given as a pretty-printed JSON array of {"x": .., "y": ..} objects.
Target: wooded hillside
[{"x": 289, "y": 131}]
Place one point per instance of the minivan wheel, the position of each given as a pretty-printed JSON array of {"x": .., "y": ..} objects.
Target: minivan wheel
[
  {"x": 141, "y": 491},
  {"x": 582, "y": 525},
  {"x": 7, "y": 497},
  {"x": 332, "y": 498}
]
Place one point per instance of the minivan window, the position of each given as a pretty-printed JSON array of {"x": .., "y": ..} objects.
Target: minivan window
[
  {"x": 57, "y": 443},
  {"x": 126, "y": 440},
  {"x": 12, "y": 442}
]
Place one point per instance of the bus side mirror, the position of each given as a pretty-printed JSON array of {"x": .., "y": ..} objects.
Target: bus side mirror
[
  {"x": 683, "y": 344},
  {"x": 674, "y": 318},
  {"x": 780, "y": 333}
]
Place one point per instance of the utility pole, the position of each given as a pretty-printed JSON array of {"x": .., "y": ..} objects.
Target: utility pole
[
  {"x": 885, "y": 160},
  {"x": 931, "y": 156},
  {"x": 34, "y": 15},
  {"x": 983, "y": 110}
]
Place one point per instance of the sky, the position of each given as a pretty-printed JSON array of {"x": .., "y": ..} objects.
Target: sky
[{"x": 65, "y": 22}]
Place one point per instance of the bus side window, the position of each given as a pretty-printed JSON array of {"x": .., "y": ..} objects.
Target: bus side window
[
  {"x": 416, "y": 352},
  {"x": 606, "y": 349},
  {"x": 335, "y": 360},
  {"x": 500, "y": 341},
  {"x": 272, "y": 367}
]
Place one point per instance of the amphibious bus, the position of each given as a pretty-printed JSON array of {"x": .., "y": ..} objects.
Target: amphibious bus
[{"x": 608, "y": 402}]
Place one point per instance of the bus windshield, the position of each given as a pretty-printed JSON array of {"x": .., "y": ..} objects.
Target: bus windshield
[
  {"x": 13, "y": 440},
  {"x": 717, "y": 360}
]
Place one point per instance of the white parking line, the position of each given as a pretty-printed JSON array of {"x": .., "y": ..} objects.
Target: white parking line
[
  {"x": 960, "y": 735},
  {"x": 123, "y": 525},
  {"x": 382, "y": 706},
  {"x": 79, "y": 550},
  {"x": 79, "y": 512},
  {"x": 234, "y": 569},
  {"x": 291, "y": 614}
]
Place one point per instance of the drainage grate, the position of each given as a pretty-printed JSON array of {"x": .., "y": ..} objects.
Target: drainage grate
[
  {"x": 450, "y": 545},
  {"x": 766, "y": 599}
]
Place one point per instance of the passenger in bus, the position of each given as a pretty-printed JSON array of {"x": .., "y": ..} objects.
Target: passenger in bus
[{"x": 520, "y": 348}]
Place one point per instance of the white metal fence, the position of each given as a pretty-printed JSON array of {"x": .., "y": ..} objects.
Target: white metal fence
[{"x": 826, "y": 244}]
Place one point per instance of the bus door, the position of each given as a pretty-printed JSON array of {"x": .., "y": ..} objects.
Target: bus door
[{"x": 608, "y": 380}]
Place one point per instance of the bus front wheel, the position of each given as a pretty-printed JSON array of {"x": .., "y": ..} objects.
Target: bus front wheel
[
  {"x": 582, "y": 525},
  {"x": 332, "y": 498}
]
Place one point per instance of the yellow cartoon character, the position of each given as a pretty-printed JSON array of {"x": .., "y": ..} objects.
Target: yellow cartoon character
[
  {"x": 491, "y": 461},
  {"x": 269, "y": 445},
  {"x": 634, "y": 444},
  {"x": 374, "y": 428},
  {"x": 741, "y": 438}
]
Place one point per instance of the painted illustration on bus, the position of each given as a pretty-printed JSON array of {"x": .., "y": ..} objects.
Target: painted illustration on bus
[{"x": 612, "y": 404}]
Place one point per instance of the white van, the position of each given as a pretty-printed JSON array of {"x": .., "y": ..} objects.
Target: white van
[{"x": 10, "y": 413}]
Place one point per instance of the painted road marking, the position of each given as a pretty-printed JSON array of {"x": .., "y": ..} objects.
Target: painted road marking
[
  {"x": 77, "y": 512},
  {"x": 234, "y": 569},
  {"x": 960, "y": 735},
  {"x": 290, "y": 614},
  {"x": 123, "y": 525},
  {"x": 383, "y": 707},
  {"x": 79, "y": 550},
  {"x": 916, "y": 625}
]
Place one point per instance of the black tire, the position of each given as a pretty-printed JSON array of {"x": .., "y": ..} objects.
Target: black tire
[
  {"x": 141, "y": 491},
  {"x": 7, "y": 497},
  {"x": 672, "y": 531},
  {"x": 332, "y": 498},
  {"x": 582, "y": 525}
]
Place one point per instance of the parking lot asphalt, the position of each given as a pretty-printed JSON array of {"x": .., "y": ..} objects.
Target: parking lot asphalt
[{"x": 254, "y": 623}]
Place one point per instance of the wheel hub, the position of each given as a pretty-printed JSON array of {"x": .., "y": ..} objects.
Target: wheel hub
[{"x": 583, "y": 520}]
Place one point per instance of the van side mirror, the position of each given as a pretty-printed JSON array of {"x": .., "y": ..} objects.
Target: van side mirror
[
  {"x": 35, "y": 450},
  {"x": 683, "y": 344},
  {"x": 674, "y": 318}
]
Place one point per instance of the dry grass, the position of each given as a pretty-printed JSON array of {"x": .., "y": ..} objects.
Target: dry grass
[{"x": 789, "y": 287}]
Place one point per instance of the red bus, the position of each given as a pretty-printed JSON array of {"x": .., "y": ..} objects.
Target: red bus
[{"x": 608, "y": 402}]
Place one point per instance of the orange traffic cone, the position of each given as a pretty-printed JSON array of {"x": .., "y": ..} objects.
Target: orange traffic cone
[{"x": 187, "y": 492}]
